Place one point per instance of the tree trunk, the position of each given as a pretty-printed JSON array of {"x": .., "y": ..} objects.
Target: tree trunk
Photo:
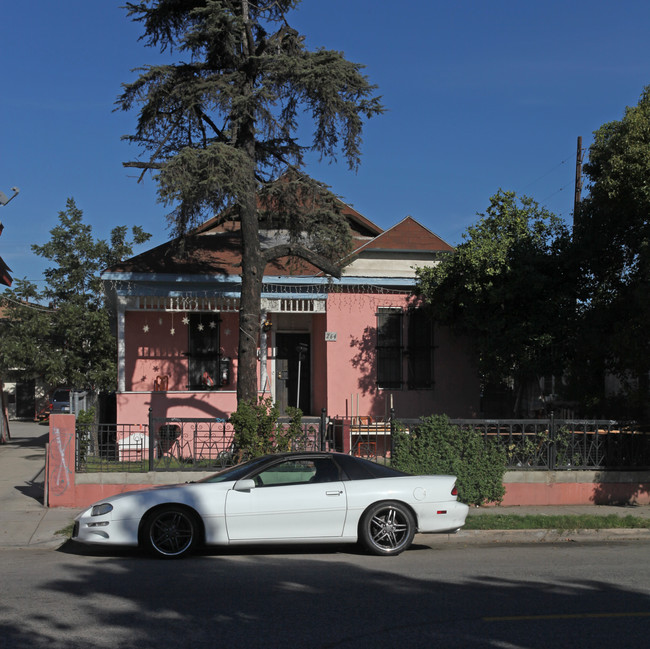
[
  {"x": 252, "y": 269},
  {"x": 250, "y": 304}
]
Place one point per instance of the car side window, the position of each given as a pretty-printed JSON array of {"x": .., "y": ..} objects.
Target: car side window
[
  {"x": 290, "y": 472},
  {"x": 298, "y": 471}
]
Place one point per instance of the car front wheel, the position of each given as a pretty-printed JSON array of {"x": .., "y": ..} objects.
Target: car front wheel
[
  {"x": 170, "y": 532},
  {"x": 387, "y": 528}
]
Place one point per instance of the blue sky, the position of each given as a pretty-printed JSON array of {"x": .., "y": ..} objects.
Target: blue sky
[{"x": 479, "y": 96}]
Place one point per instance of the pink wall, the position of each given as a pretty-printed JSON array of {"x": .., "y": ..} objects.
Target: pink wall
[
  {"x": 133, "y": 407},
  {"x": 152, "y": 350},
  {"x": 343, "y": 376},
  {"x": 351, "y": 367},
  {"x": 60, "y": 462},
  {"x": 576, "y": 493},
  {"x": 319, "y": 364}
]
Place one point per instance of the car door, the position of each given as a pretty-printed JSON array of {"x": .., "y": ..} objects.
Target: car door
[{"x": 298, "y": 498}]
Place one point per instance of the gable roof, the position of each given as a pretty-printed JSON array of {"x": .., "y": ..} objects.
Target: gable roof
[
  {"x": 214, "y": 248},
  {"x": 359, "y": 224},
  {"x": 5, "y": 277},
  {"x": 409, "y": 235}
]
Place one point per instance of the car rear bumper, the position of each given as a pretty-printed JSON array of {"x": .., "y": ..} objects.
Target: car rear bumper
[{"x": 438, "y": 518}]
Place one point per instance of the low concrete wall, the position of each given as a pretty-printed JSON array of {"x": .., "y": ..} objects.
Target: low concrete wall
[{"x": 576, "y": 488}]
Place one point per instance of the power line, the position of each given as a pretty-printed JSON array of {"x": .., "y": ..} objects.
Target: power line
[
  {"x": 548, "y": 173},
  {"x": 26, "y": 305}
]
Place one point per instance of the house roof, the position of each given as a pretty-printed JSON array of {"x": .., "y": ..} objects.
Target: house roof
[
  {"x": 409, "y": 235},
  {"x": 5, "y": 277},
  {"x": 214, "y": 248}
]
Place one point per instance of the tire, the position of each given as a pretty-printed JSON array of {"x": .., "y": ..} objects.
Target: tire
[
  {"x": 170, "y": 532},
  {"x": 387, "y": 528}
]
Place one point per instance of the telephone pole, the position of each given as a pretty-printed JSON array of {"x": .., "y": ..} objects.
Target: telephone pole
[{"x": 578, "y": 187}]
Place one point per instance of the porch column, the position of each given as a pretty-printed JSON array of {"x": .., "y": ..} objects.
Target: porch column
[{"x": 121, "y": 354}]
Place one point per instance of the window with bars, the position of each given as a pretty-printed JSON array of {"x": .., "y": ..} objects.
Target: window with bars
[
  {"x": 420, "y": 350},
  {"x": 389, "y": 348},
  {"x": 392, "y": 323},
  {"x": 204, "y": 352}
]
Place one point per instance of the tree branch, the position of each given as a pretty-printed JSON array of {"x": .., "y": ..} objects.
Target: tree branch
[
  {"x": 296, "y": 250},
  {"x": 144, "y": 165}
]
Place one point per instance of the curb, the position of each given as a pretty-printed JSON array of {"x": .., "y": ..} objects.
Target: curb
[{"x": 475, "y": 537}]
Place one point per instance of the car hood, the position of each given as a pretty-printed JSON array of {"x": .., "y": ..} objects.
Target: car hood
[{"x": 165, "y": 493}]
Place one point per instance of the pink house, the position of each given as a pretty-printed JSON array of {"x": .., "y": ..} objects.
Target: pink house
[{"x": 351, "y": 346}]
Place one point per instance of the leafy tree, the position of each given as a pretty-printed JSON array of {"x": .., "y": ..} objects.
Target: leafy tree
[
  {"x": 221, "y": 125},
  {"x": 508, "y": 288},
  {"x": 70, "y": 341},
  {"x": 612, "y": 240}
]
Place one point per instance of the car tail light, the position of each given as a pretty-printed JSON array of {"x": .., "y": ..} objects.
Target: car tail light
[{"x": 454, "y": 491}]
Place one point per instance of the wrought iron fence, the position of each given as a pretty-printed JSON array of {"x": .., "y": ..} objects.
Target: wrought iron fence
[
  {"x": 207, "y": 444},
  {"x": 111, "y": 447},
  {"x": 566, "y": 444},
  {"x": 175, "y": 444}
]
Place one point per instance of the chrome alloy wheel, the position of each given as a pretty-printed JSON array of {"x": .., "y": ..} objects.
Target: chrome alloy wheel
[
  {"x": 171, "y": 532},
  {"x": 387, "y": 528}
]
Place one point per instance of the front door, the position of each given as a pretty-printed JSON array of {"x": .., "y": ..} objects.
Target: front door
[{"x": 293, "y": 371}]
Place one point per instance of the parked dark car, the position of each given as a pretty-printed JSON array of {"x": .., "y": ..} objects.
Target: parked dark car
[{"x": 60, "y": 401}]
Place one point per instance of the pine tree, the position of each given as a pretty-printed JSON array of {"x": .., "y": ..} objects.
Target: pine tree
[{"x": 220, "y": 126}]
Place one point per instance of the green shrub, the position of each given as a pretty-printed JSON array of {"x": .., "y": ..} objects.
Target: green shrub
[
  {"x": 436, "y": 446},
  {"x": 85, "y": 431},
  {"x": 255, "y": 425},
  {"x": 289, "y": 438}
]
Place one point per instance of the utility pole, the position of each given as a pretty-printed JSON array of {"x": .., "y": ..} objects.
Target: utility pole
[{"x": 578, "y": 187}]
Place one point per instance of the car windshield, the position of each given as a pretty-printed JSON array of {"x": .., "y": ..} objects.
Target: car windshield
[{"x": 236, "y": 472}]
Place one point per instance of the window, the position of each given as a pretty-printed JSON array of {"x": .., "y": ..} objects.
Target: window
[
  {"x": 203, "y": 352},
  {"x": 292, "y": 472},
  {"x": 420, "y": 350},
  {"x": 391, "y": 325},
  {"x": 389, "y": 348}
]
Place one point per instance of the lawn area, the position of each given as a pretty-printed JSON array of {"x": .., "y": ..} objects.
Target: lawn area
[{"x": 553, "y": 522}]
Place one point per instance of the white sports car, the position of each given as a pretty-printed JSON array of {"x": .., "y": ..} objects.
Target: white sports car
[{"x": 284, "y": 498}]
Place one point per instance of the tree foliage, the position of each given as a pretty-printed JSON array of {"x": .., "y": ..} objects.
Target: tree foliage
[
  {"x": 69, "y": 342},
  {"x": 222, "y": 123},
  {"x": 612, "y": 241},
  {"x": 509, "y": 288}
]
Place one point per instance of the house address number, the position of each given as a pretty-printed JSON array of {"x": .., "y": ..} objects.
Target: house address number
[{"x": 330, "y": 336}]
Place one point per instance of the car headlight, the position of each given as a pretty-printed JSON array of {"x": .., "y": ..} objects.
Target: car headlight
[{"x": 100, "y": 510}]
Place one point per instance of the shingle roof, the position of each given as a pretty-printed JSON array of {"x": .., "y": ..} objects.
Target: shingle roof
[{"x": 214, "y": 248}]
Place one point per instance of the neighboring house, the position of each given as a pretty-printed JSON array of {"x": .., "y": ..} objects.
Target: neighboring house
[
  {"x": 351, "y": 346},
  {"x": 23, "y": 395}
]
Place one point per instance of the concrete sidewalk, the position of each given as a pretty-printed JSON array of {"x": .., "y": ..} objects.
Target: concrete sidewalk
[{"x": 26, "y": 522}]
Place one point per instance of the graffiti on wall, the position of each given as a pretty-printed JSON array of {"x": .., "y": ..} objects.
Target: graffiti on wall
[{"x": 59, "y": 469}]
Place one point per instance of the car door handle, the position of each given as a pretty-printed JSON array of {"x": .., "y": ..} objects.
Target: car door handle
[{"x": 333, "y": 493}]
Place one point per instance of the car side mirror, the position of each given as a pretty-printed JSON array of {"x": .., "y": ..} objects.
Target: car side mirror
[{"x": 244, "y": 485}]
